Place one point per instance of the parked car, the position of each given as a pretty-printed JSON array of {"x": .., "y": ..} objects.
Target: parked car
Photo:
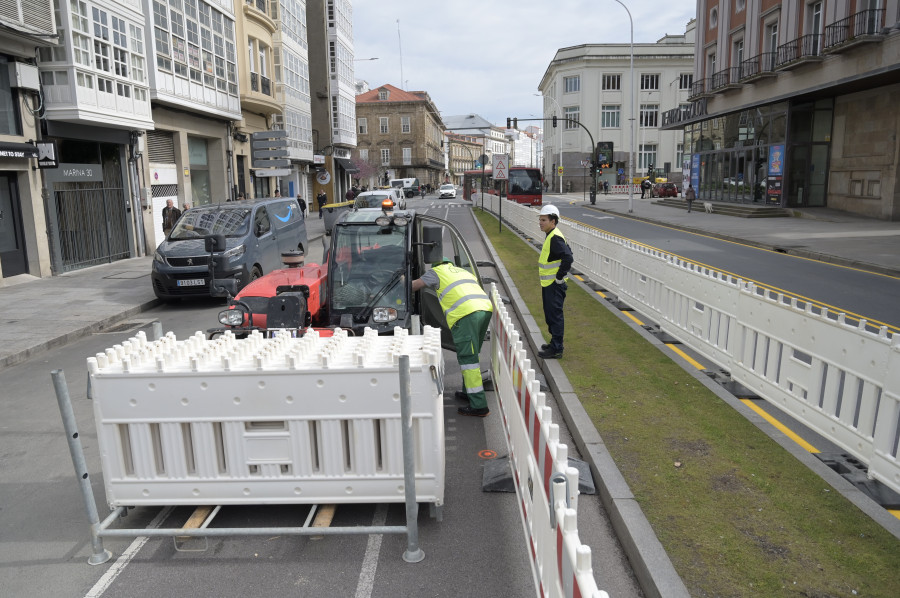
[
  {"x": 256, "y": 233},
  {"x": 665, "y": 190},
  {"x": 447, "y": 190}
]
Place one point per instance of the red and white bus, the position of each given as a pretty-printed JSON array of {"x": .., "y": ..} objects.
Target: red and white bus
[{"x": 525, "y": 185}]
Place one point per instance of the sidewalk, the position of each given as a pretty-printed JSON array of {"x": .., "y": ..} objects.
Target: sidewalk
[
  {"x": 43, "y": 313},
  {"x": 49, "y": 312},
  {"x": 821, "y": 233}
]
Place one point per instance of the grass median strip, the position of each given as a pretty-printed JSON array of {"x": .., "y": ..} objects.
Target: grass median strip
[{"x": 737, "y": 514}]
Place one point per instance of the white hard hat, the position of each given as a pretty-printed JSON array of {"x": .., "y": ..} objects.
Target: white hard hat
[{"x": 550, "y": 209}]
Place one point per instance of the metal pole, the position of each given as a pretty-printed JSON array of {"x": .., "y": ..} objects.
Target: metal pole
[
  {"x": 631, "y": 159},
  {"x": 99, "y": 555},
  {"x": 413, "y": 553}
]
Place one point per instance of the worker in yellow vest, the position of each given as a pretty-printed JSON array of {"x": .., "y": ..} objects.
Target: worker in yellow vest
[
  {"x": 467, "y": 309},
  {"x": 553, "y": 266}
]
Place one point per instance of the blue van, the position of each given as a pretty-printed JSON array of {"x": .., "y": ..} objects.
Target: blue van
[{"x": 256, "y": 233}]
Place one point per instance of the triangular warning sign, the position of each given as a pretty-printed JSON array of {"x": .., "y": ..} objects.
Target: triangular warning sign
[{"x": 501, "y": 165}]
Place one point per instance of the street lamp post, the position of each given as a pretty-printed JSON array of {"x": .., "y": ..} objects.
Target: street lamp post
[
  {"x": 633, "y": 115},
  {"x": 552, "y": 99}
]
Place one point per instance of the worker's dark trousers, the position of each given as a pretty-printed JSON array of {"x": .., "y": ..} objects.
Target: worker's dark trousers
[{"x": 554, "y": 295}]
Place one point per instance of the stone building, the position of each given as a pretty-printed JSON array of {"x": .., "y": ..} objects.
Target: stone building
[
  {"x": 794, "y": 104},
  {"x": 399, "y": 133},
  {"x": 592, "y": 84}
]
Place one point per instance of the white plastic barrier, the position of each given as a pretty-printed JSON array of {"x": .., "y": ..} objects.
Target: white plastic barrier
[
  {"x": 836, "y": 377},
  {"x": 546, "y": 486},
  {"x": 267, "y": 421}
]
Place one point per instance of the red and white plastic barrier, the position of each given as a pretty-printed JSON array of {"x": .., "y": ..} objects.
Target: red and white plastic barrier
[{"x": 547, "y": 488}]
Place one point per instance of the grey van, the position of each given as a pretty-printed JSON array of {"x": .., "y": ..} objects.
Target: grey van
[{"x": 256, "y": 233}]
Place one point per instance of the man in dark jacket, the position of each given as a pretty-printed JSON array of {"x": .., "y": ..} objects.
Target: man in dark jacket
[
  {"x": 321, "y": 199},
  {"x": 553, "y": 266},
  {"x": 170, "y": 215}
]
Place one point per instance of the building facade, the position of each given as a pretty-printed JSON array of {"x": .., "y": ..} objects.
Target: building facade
[
  {"x": 400, "y": 133},
  {"x": 330, "y": 26},
  {"x": 493, "y": 139},
  {"x": 794, "y": 104},
  {"x": 24, "y": 245},
  {"x": 461, "y": 153},
  {"x": 591, "y": 84},
  {"x": 96, "y": 106},
  {"x": 195, "y": 98}
]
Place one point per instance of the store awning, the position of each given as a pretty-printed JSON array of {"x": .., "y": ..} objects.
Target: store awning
[
  {"x": 11, "y": 149},
  {"x": 347, "y": 165}
]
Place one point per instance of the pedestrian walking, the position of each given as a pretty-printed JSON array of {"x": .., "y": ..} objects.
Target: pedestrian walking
[
  {"x": 170, "y": 215},
  {"x": 689, "y": 196},
  {"x": 605, "y": 187},
  {"x": 321, "y": 199},
  {"x": 350, "y": 195},
  {"x": 185, "y": 207},
  {"x": 645, "y": 186},
  {"x": 553, "y": 267},
  {"x": 302, "y": 203},
  {"x": 467, "y": 309}
]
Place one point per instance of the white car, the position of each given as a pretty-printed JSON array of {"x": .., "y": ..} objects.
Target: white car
[{"x": 447, "y": 190}]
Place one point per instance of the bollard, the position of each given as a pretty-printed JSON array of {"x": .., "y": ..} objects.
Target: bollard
[
  {"x": 157, "y": 330},
  {"x": 99, "y": 554},
  {"x": 413, "y": 553}
]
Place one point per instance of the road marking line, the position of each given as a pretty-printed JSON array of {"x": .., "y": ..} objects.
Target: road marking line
[
  {"x": 601, "y": 294},
  {"x": 784, "y": 429},
  {"x": 370, "y": 561},
  {"x": 633, "y": 317},
  {"x": 113, "y": 572},
  {"x": 685, "y": 356}
]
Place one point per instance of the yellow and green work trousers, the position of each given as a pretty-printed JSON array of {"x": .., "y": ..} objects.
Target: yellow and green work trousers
[{"x": 468, "y": 335}]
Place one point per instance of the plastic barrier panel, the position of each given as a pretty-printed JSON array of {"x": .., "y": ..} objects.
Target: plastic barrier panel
[
  {"x": 543, "y": 479},
  {"x": 267, "y": 421},
  {"x": 838, "y": 378}
]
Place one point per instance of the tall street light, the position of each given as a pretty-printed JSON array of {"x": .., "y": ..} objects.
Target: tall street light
[
  {"x": 559, "y": 110},
  {"x": 633, "y": 115},
  {"x": 364, "y": 59}
]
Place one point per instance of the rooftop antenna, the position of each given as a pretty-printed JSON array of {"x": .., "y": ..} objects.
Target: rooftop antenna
[{"x": 400, "y": 45}]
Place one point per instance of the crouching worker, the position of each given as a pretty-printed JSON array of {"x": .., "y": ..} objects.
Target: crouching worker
[{"x": 467, "y": 309}]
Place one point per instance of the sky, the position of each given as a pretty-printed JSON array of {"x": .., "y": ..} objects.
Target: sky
[{"x": 488, "y": 57}]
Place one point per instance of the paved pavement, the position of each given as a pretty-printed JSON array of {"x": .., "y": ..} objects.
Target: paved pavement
[{"x": 42, "y": 313}]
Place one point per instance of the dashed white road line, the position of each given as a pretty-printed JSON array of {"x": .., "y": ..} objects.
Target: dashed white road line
[
  {"x": 370, "y": 562},
  {"x": 113, "y": 572}
]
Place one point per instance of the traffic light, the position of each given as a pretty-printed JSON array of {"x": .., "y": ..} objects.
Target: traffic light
[
  {"x": 600, "y": 172},
  {"x": 515, "y": 123},
  {"x": 508, "y": 123},
  {"x": 554, "y": 120}
]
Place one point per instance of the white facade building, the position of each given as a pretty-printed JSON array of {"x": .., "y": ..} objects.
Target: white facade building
[{"x": 591, "y": 84}]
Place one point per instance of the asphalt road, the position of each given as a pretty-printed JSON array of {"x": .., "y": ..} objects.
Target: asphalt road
[
  {"x": 479, "y": 549},
  {"x": 856, "y": 292}
]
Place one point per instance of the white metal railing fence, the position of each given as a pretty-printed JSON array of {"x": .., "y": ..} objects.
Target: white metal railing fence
[
  {"x": 547, "y": 488},
  {"x": 836, "y": 377}
]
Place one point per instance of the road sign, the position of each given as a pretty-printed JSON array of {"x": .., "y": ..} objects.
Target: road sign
[
  {"x": 559, "y": 170},
  {"x": 271, "y": 172},
  {"x": 500, "y": 167},
  {"x": 272, "y": 163}
]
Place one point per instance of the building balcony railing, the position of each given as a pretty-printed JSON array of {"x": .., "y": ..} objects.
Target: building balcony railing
[
  {"x": 265, "y": 85},
  {"x": 254, "y": 82},
  {"x": 726, "y": 79},
  {"x": 862, "y": 27},
  {"x": 806, "y": 48},
  {"x": 761, "y": 65},
  {"x": 701, "y": 88}
]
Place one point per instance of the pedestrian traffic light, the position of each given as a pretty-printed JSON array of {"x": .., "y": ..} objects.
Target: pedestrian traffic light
[
  {"x": 600, "y": 172},
  {"x": 554, "y": 120}
]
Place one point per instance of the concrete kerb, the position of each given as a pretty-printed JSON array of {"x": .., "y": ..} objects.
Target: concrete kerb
[{"x": 652, "y": 566}]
